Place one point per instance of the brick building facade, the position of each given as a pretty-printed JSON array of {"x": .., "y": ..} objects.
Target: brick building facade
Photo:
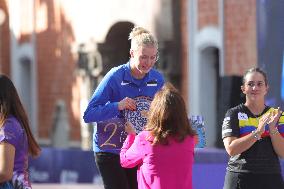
[
  {"x": 57, "y": 51},
  {"x": 221, "y": 43}
]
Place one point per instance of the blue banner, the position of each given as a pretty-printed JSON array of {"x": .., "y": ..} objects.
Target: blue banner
[
  {"x": 270, "y": 40},
  {"x": 77, "y": 166}
]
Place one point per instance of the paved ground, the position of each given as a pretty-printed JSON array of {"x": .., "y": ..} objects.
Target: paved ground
[{"x": 66, "y": 186}]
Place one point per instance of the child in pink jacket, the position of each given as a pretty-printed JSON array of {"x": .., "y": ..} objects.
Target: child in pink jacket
[{"x": 164, "y": 150}]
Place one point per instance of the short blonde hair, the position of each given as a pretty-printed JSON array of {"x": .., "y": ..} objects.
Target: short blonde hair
[{"x": 141, "y": 37}]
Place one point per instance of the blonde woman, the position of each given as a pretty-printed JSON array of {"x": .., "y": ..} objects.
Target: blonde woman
[{"x": 115, "y": 94}]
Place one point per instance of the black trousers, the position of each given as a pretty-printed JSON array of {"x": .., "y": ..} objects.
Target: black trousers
[
  {"x": 253, "y": 181},
  {"x": 6, "y": 185},
  {"x": 113, "y": 175}
]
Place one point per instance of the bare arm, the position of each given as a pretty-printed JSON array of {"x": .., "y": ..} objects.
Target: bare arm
[
  {"x": 7, "y": 156},
  {"x": 276, "y": 138},
  {"x": 234, "y": 145},
  {"x": 278, "y": 143}
]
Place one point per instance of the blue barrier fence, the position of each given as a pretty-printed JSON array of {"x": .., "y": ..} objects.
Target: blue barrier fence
[{"x": 77, "y": 166}]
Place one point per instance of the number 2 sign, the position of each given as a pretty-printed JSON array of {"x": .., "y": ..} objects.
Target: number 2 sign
[{"x": 111, "y": 133}]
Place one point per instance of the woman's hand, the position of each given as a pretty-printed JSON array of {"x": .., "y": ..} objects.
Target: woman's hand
[
  {"x": 129, "y": 128},
  {"x": 127, "y": 104},
  {"x": 276, "y": 138},
  {"x": 275, "y": 115},
  {"x": 264, "y": 120}
]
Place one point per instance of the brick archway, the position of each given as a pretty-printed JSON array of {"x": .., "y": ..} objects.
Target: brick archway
[{"x": 115, "y": 49}]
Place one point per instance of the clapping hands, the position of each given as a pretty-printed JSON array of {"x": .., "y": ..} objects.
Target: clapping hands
[
  {"x": 263, "y": 121},
  {"x": 271, "y": 118},
  {"x": 274, "y": 116}
]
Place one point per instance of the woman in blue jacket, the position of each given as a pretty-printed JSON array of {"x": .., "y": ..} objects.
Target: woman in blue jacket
[{"x": 116, "y": 95}]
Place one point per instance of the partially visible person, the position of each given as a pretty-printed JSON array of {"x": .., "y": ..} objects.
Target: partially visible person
[
  {"x": 16, "y": 138},
  {"x": 164, "y": 151},
  {"x": 253, "y": 137},
  {"x": 115, "y": 94}
]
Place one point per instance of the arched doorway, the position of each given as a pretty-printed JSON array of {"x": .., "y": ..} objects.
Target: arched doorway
[
  {"x": 208, "y": 91},
  {"x": 205, "y": 66},
  {"x": 115, "y": 49}
]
